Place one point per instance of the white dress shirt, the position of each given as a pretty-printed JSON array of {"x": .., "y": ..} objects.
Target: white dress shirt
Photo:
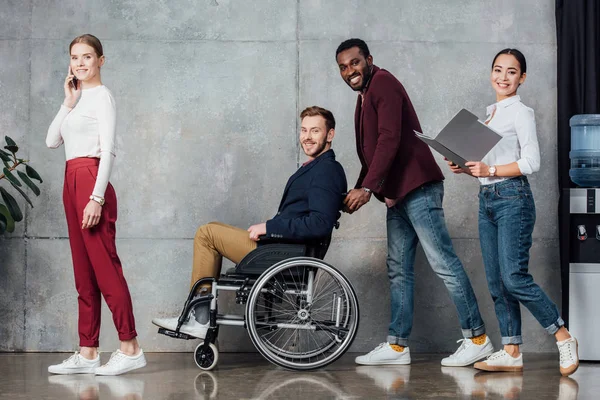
[
  {"x": 515, "y": 122},
  {"x": 88, "y": 130}
]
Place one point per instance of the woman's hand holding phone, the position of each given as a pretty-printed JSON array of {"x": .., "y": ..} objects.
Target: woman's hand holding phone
[{"x": 72, "y": 89}]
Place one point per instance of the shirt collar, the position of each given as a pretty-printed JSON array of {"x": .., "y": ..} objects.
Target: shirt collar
[
  {"x": 363, "y": 92},
  {"x": 503, "y": 104}
]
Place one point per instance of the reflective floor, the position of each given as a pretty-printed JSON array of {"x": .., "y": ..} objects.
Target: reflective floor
[{"x": 174, "y": 376}]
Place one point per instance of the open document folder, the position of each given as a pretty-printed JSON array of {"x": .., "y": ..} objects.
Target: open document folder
[{"x": 464, "y": 139}]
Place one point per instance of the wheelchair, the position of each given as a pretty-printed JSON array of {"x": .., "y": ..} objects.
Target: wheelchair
[{"x": 300, "y": 312}]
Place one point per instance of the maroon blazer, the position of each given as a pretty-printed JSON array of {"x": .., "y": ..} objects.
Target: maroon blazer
[{"x": 394, "y": 161}]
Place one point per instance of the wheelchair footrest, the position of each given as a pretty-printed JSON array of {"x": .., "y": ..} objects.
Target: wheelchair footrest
[{"x": 176, "y": 335}]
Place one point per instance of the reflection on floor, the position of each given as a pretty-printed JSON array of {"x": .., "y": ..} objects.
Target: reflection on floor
[{"x": 174, "y": 376}]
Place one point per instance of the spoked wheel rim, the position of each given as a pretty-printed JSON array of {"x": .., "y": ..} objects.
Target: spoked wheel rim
[{"x": 302, "y": 313}]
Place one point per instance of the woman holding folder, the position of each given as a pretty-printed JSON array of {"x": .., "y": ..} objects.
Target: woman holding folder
[{"x": 507, "y": 218}]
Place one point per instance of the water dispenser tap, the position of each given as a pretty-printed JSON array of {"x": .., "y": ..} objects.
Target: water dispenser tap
[{"x": 581, "y": 232}]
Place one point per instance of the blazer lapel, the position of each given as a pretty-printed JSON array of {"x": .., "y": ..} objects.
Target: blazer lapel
[{"x": 301, "y": 171}]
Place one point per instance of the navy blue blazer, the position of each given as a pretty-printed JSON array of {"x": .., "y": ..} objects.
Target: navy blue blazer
[{"x": 311, "y": 201}]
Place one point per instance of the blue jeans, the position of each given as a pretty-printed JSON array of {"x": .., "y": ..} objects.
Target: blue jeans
[
  {"x": 506, "y": 220},
  {"x": 419, "y": 217}
]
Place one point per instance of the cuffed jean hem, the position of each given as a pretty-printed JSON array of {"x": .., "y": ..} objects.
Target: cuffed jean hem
[
  {"x": 552, "y": 329},
  {"x": 397, "y": 340},
  {"x": 471, "y": 333},
  {"x": 512, "y": 340}
]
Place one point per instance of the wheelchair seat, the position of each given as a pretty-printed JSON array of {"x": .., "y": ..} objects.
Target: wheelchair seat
[{"x": 271, "y": 251}]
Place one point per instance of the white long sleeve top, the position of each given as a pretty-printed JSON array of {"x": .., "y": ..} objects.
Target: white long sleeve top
[
  {"x": 88, "y": 130},
  {"x": 515, "y": 122}
]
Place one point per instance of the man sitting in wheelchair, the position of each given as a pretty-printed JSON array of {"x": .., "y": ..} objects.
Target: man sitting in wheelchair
[{"x": 309, "y": 209}]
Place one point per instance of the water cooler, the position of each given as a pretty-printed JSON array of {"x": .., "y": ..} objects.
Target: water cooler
[{"x": 581, "y": 216}]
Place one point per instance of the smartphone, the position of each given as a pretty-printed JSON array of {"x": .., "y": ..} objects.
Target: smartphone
[{"x": 74, "y": 83}]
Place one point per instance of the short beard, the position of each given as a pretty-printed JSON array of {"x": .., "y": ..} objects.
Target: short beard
[{"x": 318, "y": 151}]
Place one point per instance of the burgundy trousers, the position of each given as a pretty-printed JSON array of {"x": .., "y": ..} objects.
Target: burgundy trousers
[{"x": 96, "y": 264}]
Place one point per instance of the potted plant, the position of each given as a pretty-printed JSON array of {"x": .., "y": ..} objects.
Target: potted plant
[{"x": 10, "y": 212}]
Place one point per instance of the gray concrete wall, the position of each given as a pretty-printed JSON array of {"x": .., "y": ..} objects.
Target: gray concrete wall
[{"x": 208, "y": 93}]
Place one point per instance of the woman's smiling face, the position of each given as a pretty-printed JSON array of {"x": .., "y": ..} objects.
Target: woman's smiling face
[{"x": 506, "y": 76}]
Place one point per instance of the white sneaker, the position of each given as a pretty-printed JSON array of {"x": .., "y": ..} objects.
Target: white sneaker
[
  {"x": 468, "y": 353},
  {"x": 501, "y": 361},
  {"x": 569, "y": 357},
  {"x": 120, "y": 363},
  {"x": 385, "y": 355},
  {"x": 76, "y": 364},
  {"x": 190, "y": 327}
]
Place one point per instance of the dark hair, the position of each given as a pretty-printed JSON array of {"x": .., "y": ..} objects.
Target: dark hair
[
  {"x": 91, "y": 41},
  {"x": 350, "y": 43},
  {"x": 316, "y": 110},
  {"x": 516, "y": 54}
]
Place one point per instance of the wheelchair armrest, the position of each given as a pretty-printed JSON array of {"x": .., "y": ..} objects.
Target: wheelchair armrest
[
  {"x": 259, "y": 260},
  {"x": 264, "y": 240}
]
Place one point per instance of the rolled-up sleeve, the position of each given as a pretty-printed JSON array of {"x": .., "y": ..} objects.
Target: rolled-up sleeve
[{"x": 528, "y": 141}]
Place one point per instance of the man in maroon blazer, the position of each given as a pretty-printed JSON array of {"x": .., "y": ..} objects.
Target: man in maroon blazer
[{"x": 400, "y": 171}]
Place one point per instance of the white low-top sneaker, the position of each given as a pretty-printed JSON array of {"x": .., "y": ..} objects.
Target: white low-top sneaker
[
  {"x": 501, "y": 361},
  {"x": 468, "y": 353},
  {"x": 76, "y": 364},
  {"x": 190, "y": 327},
  {"x": 120, "y": 363},
  {"x": 385, "y": 355},
  {"x": 569, "y": 357}
]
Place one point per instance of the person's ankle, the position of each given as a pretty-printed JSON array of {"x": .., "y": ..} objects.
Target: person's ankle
[
  {"x": 512, "y": 350},
  {"x": 562, "y": 334},
  {"x": 479, "y": 340},
  {"x": 130, "y": 347},
  {"x": 89, "y": 353}
]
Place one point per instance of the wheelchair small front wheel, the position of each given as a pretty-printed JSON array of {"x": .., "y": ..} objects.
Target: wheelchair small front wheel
[{"x": 206, "y": 357}]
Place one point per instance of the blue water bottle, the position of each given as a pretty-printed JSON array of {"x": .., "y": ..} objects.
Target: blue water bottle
[{"x": 585, "y": 150}]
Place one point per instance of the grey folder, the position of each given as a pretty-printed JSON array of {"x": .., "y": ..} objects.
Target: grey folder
[{"x": 465, "y": 138}]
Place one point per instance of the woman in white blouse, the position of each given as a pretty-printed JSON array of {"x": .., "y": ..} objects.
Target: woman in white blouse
[
  {"x": 86, "y": 124},
  {"x": 507, "y": 217}
]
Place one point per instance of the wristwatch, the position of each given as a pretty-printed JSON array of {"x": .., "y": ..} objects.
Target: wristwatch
[
  {"x": 367, "y": 190},
  {"x": 492, "y": 171},
  {"x": 97, "y": 199}
]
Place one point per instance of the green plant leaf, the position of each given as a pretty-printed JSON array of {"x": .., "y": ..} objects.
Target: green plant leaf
[
  {"x": 12, "y": 205},
  {"x": 5, "y": 156},
  {"x": 18, "y": 189},
  {"x": 9, "y": 141},
  {"x": 2, "y": 225},
  {"x": 28, "y": 182},
  {"x": 13, "y": 179},
  {"x": 6, "y": 164},
  {"x": 12, "y": 149},
  {"x": 8, "y": 219},
  {"x": 32, "y": 173}
]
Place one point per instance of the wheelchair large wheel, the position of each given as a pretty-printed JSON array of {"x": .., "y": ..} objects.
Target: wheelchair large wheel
[{"x": 302, "y": 314}]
